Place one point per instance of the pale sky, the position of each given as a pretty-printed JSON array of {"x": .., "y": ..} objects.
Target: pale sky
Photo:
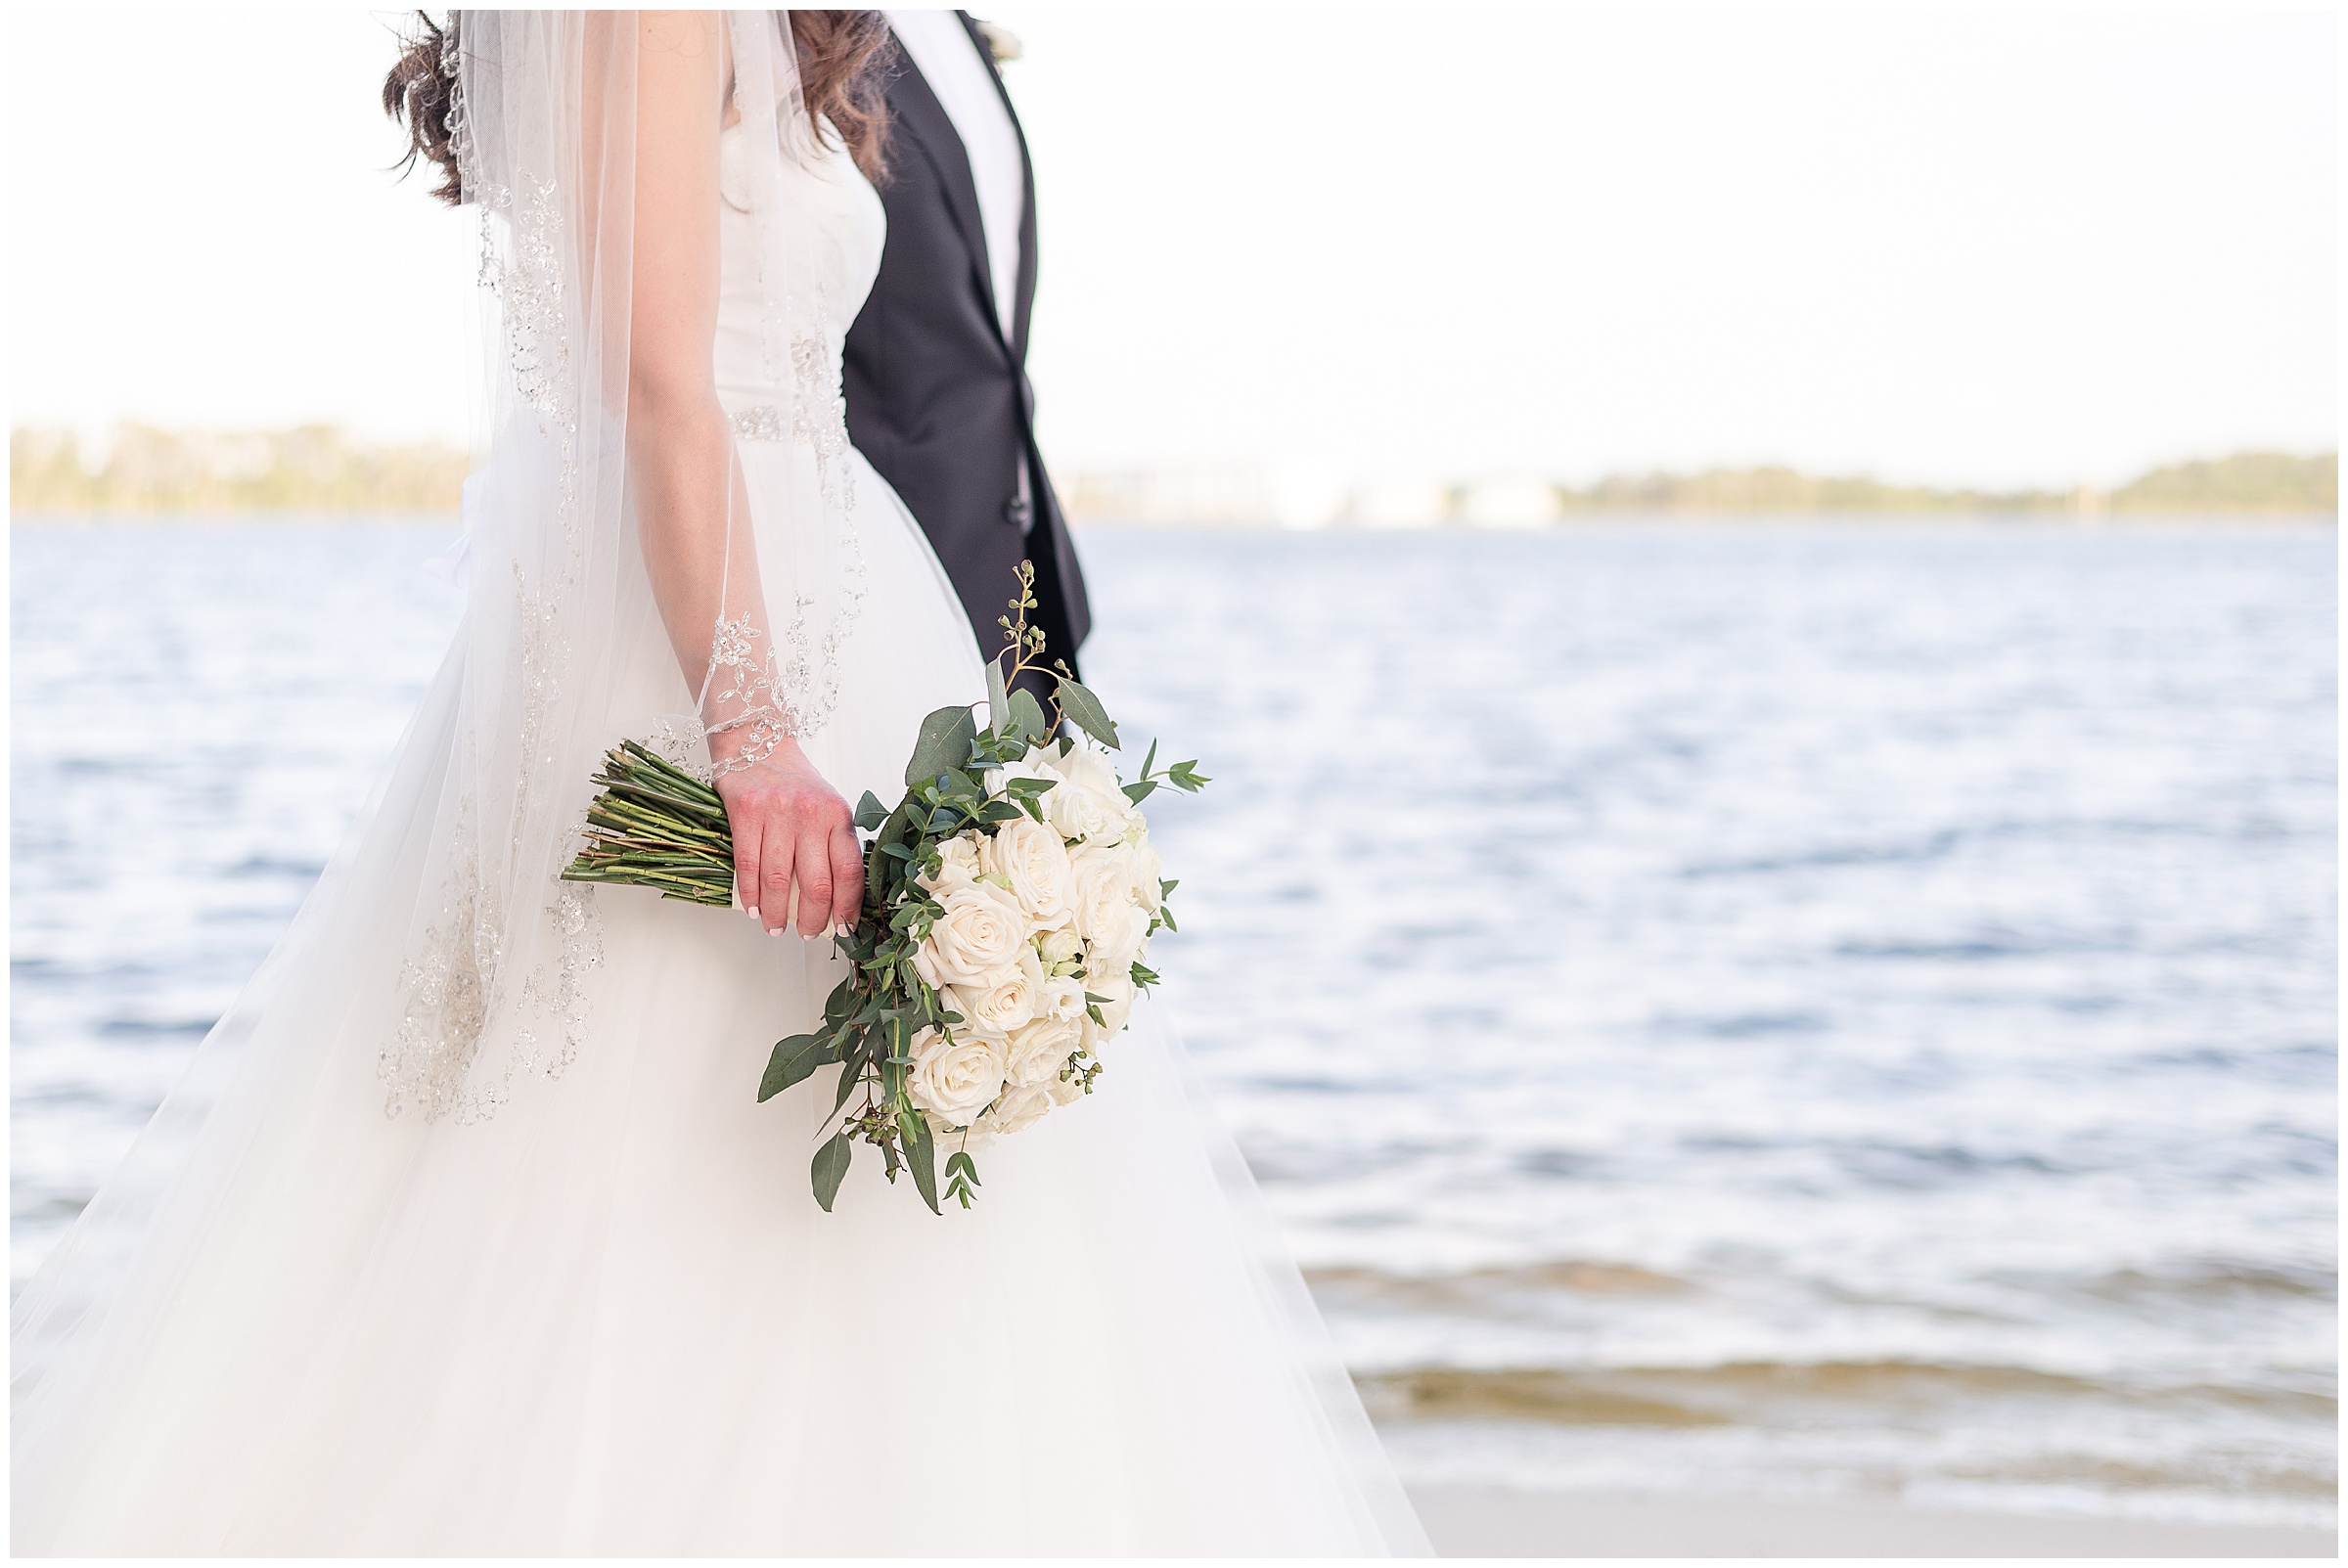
[{"x": 1961, "y": 245}]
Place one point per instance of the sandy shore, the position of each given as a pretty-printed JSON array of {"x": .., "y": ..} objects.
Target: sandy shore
[{"x": 1470, "y": 1522}]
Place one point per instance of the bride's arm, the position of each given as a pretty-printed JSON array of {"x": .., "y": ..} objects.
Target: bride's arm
[{"x": 692, "y": 511}]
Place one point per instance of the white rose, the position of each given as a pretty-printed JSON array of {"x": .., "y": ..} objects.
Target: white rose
[
  {"x": 1064, "y": 1090},
  {"x": 1088, "y": 803},
  {"x": 1059, "y": 948},
  {"x": 954, "y": 1079},
  {"x": 1144, "y": 869},
  {"x": 1040, "y": 762},
  {"x": 1111, "y": 922},
  {"x": 1119, "y": 990},
  {"x": 1120, "y": 945},
  {"x": 955, "y": 1135},
  {"x": 958, "y": 867},
  {"x": 1037, "y": 1051},
  {"x": 995, "y": 1004},
  {"x": 1063, "y": 998},
  {"x": 1020, "y": 1110},
  {"x": 1029, "y": 856},
  {"x": 980, "y": 932}
]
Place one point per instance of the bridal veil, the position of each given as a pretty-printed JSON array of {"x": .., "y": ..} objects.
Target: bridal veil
[{"x": 462, "y": 878}]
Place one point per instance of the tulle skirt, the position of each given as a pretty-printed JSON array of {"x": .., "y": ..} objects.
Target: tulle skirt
[{"x": 611, "y": 1320}]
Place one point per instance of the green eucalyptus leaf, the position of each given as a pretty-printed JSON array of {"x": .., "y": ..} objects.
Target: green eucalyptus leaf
[
  {"x": 829, "y": 1168},
  {"x": 794, "y": 1059},
  {"x": 922, "y": 1155},
  {"x": 944, "y": 742},
  {"x": 870, "y": 813},
  {"x": 1027, "y": 720},
  {"x": 878, "y": 868},
  {"x": 1084, "y": 710},
  {"x": 997, "y": 703}
]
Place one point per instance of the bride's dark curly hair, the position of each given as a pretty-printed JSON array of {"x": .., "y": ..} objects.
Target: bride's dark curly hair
[{"x": 841, "y": 57}]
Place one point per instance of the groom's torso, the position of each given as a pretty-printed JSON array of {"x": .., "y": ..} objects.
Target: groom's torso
[{"x": 936, "y": 385}]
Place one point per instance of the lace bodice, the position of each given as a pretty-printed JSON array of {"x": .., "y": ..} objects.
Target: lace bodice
[{"x": 833, "y": 229}]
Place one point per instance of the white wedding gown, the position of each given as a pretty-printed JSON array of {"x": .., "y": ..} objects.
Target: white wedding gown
[{"x": 609, "y": 1318}]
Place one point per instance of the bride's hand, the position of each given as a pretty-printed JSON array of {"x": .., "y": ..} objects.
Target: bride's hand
[{"x": 789, "y": 825}]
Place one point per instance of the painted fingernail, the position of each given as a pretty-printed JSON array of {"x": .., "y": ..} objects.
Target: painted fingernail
[{"x": 752, "y": 911}]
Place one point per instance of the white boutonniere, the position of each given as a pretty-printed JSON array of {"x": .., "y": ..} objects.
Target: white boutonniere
[{"x": 1001, "y": 41}]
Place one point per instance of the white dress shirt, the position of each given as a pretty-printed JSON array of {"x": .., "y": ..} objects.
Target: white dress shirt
[{"x": 941, "y": 50}]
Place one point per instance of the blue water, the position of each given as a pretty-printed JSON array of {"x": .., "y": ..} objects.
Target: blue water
[{"x": 1826, "y": 1010}]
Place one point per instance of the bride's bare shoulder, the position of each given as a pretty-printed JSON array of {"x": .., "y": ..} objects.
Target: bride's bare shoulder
[{"x": 687, "y": 35}]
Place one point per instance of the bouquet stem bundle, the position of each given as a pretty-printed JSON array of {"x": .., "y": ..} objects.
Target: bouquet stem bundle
[{"x": 657, "y": 826}]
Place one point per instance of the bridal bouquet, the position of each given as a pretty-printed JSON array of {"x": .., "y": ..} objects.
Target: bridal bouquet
[{"x": 1009, "y": 902}]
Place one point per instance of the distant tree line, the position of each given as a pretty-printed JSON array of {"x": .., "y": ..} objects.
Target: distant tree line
[
  {"x": 2246, "y": 482},
  {"x": 315, "y": 468},
  {"x": 319, "y": 469}
]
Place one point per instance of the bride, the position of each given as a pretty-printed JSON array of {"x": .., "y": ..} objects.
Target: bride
[{"x": 465, "y": 1233}]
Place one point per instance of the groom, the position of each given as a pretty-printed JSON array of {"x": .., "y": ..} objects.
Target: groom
[{"x": 935, "y": 371}]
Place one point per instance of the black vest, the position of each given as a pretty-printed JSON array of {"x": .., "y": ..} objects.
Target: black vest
[{"x": 937, "y": 390}]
